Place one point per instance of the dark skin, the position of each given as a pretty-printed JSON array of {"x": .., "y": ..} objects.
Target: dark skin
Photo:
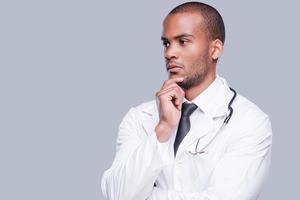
[{"x": 191, "y": 59}]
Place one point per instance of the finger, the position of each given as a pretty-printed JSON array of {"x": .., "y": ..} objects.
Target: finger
[
  {"x": 177, "y": 89},
  {"x": 171, "y": 95},
  {"x": 177, "y": 102},
  {"x": 174, "y": 85},
  {"x": 172, "y": 80},
  {"x": 171, "y": 86},
  {"x": 165, "y": 91}
]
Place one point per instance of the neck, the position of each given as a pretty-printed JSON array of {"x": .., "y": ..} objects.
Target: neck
[{"x": 193, "y": 92}]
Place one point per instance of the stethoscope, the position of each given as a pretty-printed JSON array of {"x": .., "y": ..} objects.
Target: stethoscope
[{"x": 225, "y": 122}]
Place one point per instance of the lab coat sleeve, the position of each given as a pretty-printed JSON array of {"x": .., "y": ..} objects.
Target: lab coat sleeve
[
  {"x": 139, "y": 160},
  {"x": 240, "y": 173}
]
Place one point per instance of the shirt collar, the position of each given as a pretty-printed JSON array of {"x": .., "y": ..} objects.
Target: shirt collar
[{"x": 206, "y": 100}]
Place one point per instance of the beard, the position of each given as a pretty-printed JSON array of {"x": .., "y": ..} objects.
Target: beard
[{"x": 199, "y": 72}]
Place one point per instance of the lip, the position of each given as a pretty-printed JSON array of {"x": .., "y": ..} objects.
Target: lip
[
  {"x": 173, "y": 66},
  {"x": 174, "y": 70}
]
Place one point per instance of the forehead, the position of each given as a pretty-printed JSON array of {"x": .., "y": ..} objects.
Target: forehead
[{"x": 183, "y": 23}]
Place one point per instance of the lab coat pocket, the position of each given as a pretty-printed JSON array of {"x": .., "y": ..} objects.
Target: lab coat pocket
[{"x": 196, "y": 168}]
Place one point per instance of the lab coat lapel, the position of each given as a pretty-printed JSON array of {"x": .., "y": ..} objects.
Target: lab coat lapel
[{"x": 151, "y": 120}]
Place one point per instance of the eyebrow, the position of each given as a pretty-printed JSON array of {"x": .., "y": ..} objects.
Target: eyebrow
[{"x": 177, "y": 37}]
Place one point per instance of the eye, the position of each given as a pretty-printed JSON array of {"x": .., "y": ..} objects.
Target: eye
[
  {"x": 166, "y": 44},
  {"x": 183, "y": 42}
]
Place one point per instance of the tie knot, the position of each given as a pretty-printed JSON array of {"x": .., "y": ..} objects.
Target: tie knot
[{"x": 188, "y": 109}]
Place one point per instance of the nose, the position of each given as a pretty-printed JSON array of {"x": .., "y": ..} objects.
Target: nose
[{"x": 171, "y": 52}]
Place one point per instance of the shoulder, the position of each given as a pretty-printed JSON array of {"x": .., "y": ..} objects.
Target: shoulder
[
  {"x": 140, "y": 112},
  {"x": 147, "y": 107},
  {"x": 246, "y": 109},
  {"x": 249, "y": 120}
]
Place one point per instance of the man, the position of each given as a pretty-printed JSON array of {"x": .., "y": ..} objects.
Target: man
[{"x": 199, "y": 139}]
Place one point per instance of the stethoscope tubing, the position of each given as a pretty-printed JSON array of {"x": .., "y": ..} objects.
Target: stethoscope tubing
[{"x": 225, "y": 122}]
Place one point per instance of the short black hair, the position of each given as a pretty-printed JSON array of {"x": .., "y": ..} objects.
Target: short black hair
[{"x": 214, "y": 25}]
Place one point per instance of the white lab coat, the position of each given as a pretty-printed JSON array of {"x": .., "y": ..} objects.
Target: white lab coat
[{"x": 232, "y": 165}]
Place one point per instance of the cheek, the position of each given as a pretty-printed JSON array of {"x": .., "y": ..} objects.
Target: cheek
[
  {"x": 194, "y": 56},
  {"x": 190, "y": 54}
]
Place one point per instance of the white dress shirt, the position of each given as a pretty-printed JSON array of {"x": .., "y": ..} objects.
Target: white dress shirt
[{"x": 212, "y": 163}]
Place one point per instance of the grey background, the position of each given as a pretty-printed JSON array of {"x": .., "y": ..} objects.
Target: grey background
[{"x": 71, "y": 69}]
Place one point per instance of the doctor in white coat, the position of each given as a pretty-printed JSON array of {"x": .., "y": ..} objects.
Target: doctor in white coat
[{"x": 225, "y": 154}]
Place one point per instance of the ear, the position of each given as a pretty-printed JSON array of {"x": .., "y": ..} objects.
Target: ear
[{"x": 216, "y": 49}]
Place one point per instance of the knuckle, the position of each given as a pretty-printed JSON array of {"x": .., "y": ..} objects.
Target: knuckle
[
  {"x": 166, "y": 82},
  {"x": 170, "y": 89},
  {"x": 178, "y": 90},
  {"x": 174, "y": 85}
]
